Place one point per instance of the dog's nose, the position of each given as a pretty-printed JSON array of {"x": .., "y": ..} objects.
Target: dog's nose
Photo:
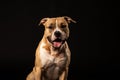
[{"x": 57, "y": 33}]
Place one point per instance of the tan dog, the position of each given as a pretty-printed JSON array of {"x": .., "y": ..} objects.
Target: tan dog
[{"x": 52, "y": 54}]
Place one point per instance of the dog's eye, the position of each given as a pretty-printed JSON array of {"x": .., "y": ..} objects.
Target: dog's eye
[
  {"x": 63, "y": 26},
  {"x": 50, "y": 27}
]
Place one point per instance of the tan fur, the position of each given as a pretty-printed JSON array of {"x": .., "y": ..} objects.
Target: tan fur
[{"x": 48, "y": 61}]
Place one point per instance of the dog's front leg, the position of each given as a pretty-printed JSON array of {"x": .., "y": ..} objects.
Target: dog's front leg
[
  {"x": 64, "y": 75},
  {"x": 37, "y": 73}
]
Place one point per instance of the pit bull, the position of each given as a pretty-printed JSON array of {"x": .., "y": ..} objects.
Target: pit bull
[{"x": 52, "y": 56}]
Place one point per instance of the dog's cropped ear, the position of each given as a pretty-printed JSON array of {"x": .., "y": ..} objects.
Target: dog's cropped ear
[
  {"x": 43, "y": 21},
  {"x": 68, "y": 19}
]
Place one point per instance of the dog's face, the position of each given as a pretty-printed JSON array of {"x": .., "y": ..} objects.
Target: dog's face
[{"x": 56, "y": 30}]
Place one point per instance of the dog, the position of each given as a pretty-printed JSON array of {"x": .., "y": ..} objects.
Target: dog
[{"x": 52, "y": 56}]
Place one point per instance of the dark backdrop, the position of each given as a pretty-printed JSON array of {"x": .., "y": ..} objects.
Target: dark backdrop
[{"x": 93, "y": 39}]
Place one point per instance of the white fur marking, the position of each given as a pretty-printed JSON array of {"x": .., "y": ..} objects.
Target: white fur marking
[
  {"x": 44, "y": 55},
  {"x": 47, "y": 59},
  {"x": 57, "y": 28},
  {"x": 56, "y": 23}
]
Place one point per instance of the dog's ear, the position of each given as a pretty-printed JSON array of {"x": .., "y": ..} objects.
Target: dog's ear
[
  {"x": 68, "y": 19},
  {"x": 43, "y": 21}
]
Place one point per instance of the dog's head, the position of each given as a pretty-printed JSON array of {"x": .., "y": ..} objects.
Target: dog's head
[{"x": 56, "y": 30}]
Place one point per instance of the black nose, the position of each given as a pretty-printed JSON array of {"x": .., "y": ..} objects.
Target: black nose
[{"x": 57, "y": 33}]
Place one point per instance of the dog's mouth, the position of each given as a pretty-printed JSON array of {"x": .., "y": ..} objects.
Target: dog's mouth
[{"x": 57, "y": 43}]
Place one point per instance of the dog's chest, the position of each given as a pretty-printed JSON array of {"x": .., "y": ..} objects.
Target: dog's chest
[{"x": 52, "y": 66}]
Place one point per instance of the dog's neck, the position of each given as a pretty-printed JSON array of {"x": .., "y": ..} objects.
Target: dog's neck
[
  {"x": 57, "y": 51},
  {"x": 52, "y": 50}
]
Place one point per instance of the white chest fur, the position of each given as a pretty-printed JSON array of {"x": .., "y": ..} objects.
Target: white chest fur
[{"x": 52, "y": 65}]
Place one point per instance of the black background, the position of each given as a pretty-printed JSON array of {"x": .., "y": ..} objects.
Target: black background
[{"x": 93, "y": 39}]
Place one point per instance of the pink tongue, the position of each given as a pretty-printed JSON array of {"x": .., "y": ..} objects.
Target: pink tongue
[{"x": 57, "y": 44}]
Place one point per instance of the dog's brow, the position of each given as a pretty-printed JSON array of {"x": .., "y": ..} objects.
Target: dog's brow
[{"x": 51, "y": 24}]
